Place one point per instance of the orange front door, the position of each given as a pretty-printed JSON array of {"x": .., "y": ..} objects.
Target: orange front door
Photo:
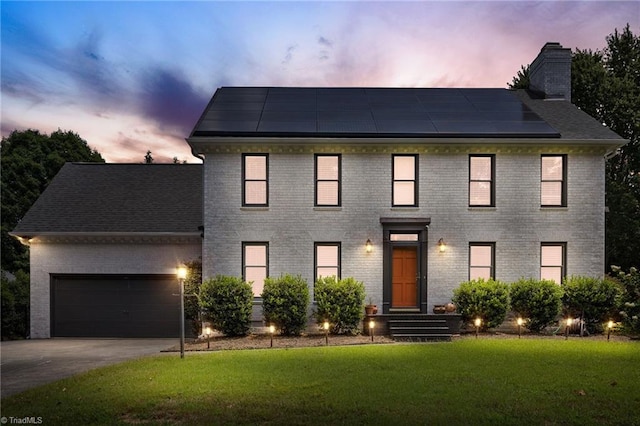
[{"x": 404, "y": 277}]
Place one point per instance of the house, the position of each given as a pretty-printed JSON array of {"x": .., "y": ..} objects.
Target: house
[{"x": 410, "y": 190}]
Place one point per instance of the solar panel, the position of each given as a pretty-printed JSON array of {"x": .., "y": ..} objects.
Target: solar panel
[{"x": 370, "y": 112}]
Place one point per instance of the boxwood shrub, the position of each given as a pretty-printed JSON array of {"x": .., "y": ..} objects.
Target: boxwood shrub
[
  {"x": 284, "y": 303},
  {"x": 487, "y": 299},
  {"x": 594, "y": 300},
  {"x": 340, "y": 302},
  {"x": 226, "y": 302},
  {"x": 538, "y": 302}
]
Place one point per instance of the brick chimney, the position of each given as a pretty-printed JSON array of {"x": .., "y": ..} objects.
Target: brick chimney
[{"x": 550, "y": 72}]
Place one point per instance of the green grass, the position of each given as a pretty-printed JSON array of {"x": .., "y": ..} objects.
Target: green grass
[{"x": 467, "y": 382}]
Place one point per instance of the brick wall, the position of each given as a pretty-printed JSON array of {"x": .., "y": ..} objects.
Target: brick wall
[
  {"x": 95, "y": 258},
  {"x": 517, "y": 224}
]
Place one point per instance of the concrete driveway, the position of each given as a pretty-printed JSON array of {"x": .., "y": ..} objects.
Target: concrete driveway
[{"x": 29, "y": 363}]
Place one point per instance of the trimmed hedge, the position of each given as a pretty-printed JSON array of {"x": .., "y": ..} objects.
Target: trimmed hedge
[
  {"x": 487, "y": 299},
  {"x": 340, "y": 302},
  {"x": 284, "y": 303},
  {"x": 538, "y": 302},
  {"x": 594, "y": 300},
  {"x": 226, "y": 302}
]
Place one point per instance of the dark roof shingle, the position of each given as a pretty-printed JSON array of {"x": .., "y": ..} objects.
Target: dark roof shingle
[{"x": 118, "y": 198}]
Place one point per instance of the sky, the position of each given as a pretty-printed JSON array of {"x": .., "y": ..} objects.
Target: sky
[{"x": 131, "y": 77}]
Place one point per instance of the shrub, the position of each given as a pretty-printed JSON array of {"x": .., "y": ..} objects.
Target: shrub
[
  {"x": 537, "y": 302},
  {"x": 284, "y": 303},
  {"x": 340, "y": 302},
  {"x": 226, "y": 302},
  {"x": 594, "y": 300},
  {"x": 629, "y": 300},
  {"x": 487, "y": 299},
  {"x": 15, "y": 305}
]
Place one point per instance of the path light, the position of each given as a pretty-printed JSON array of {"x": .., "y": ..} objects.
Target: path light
[
  {"x": 442, "y": 246},
  {"x": 181, "y": 273},
  {"x": 325, "y": 325},
  {"x": 208, "y": 332},
  {"x": 609, "y": 327},
  {"x": 372, "y": 325},
  {"x": 566, "y": 328},
  {"x": 477, "y": 323},
  {"x": 272, "y": 329},
  {"x": 368, "y": 246},
  {"x": 519, "y": 321}
]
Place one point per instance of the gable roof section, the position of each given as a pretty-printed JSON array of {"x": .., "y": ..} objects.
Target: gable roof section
[
  {"x": 369, "y": 112},
  {"x": 118, "y": 198}
]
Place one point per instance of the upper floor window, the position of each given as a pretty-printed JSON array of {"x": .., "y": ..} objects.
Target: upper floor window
[
  {"x": 328, "y": 180},
  {"x": 481, "y": 260},
  {"x": 552, "y": 261},
  {"x": 553, "y": 180},
  {"x": 405, "y": 180},
  {"x": 481, "y": 180},
  {"x": 255, "y": 181},
  {"x": 255, "y": 265},
  {"x": 327, "y": 260}
]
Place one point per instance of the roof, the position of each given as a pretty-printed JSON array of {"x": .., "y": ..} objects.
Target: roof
[
  {"x": 369, "y": 112},
  {"x": 118, "y": 198}
]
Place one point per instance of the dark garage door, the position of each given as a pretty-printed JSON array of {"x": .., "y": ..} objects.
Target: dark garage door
[{"x": 115, "y": 306}]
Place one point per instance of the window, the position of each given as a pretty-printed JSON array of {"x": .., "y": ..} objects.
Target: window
[
  {"x": 481, "y": 180},
  {"x": 327, "y": 260},
  {"x": 328, "y": 180},
  {"x": 481, "y": 260},
  {"x": 255, "y": 185},
  {"x": 405, "y": 180},
  {"x": 255, "y": 265},
  {"x": 552, "y": 261},
  {"x": 553, "y": 178}
]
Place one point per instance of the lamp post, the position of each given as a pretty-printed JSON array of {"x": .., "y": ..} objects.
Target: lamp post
[{"x": 181, "y": 273}]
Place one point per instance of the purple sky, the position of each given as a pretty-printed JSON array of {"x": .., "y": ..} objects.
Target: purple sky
[{"x": 134, "y": 76}]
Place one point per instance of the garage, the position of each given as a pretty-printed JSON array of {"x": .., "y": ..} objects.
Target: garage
[{"x": 115, "y": 306}]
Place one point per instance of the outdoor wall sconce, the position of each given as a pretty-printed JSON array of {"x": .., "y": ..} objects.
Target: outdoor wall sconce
[
  {"x": 477, "y": 323},
  {"x": 325, "y": 325},
  {"x": 372, "y": 325},
  {"x": 368, "y": 246},
  {"x": 609, "y": 327},
  {"x": 519, "y": 321},
  {"x": 442, "y": 245}
]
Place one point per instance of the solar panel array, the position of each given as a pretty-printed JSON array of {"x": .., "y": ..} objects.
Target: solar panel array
[{"x": 369, "y": 112}]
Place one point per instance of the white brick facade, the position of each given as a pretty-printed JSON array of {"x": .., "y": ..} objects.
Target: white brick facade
[
  {"x": 50, "y": 258},
  {"x": 517, "y": 224}
]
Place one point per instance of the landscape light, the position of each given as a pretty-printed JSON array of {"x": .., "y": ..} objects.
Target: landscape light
[
  {"x": 272, "y": 329},
  {"x": 477, "y": 323},
  {"x": 609, "y": 327},
  {"x": 519, "y": 321},
  {"x": 372, "y": 325},
  {"x": 566, "y": 329},
  {"x": 325, "y": 325}
]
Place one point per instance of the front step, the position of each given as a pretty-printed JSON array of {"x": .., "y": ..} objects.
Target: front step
[{"x": 422, "y": 327}]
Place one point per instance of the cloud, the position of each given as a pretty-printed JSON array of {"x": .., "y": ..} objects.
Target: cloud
[{"x": 169, "y": 100}]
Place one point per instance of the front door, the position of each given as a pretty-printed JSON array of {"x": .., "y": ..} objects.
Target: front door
[{"x": 404, "y": 277}]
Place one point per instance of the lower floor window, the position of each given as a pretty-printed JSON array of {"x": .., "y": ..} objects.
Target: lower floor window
[
  {"x": 552, "y": 261},
  {"x": 327, "y": 260},
  {"x": 481, "y": 260},
  {"x": 255, "y": 265}
]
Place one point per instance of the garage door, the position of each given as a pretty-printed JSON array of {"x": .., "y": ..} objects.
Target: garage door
[{"x": 115, "y": 306}]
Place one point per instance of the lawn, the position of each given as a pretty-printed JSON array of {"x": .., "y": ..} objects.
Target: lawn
[{"x": 466, "y": 382}]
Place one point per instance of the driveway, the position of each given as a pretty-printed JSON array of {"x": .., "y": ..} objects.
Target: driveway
[{"x": 29, "y": 363}]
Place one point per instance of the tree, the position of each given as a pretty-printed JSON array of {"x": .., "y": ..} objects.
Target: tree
[
  {"x": 30, "y": 160},
  {"x": 606, "y": 85},
  {"x": 148, "y": 159},
  {"x": 521, "y": 79}
]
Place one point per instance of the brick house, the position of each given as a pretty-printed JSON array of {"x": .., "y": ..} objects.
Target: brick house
[{"x": 410, "y": 190}]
